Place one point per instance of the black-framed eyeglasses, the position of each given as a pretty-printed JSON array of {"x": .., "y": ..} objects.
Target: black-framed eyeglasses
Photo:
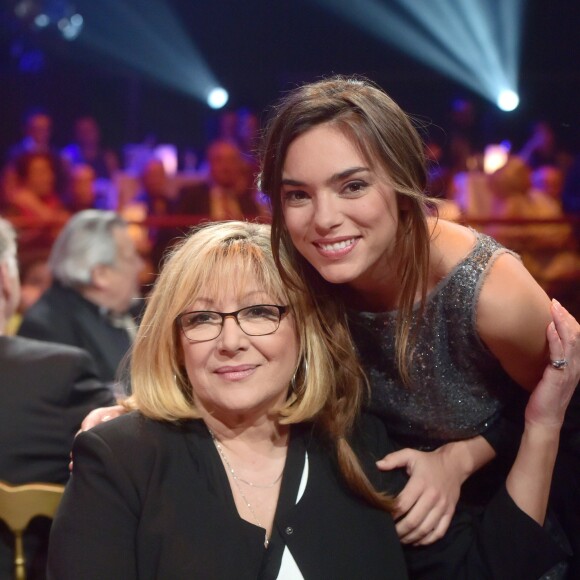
[{"x": 257, "y": 320}]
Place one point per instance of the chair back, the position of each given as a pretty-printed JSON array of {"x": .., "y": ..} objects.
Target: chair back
[{"x": 19, "y": 504}]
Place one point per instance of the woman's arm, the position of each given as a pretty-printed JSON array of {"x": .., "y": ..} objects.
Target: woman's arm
[
  {"x": 513, "y": 312},
  {"x": 518, "y": 340},
  {"x": 93, "y": 534},
  {"x": 508, "y": 540},
  {"x": 426, "y": 505},
  {"x": 529, "y": 480}
]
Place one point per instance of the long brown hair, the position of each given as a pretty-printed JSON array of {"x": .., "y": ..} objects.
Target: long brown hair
[{"x": 387, "y": 139}]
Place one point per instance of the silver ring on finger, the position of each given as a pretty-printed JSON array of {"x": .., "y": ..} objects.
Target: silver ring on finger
[{"x": 559, "y": 364}]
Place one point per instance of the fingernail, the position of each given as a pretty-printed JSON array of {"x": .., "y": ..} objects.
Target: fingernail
[
  {"x": 552, "y": 326},
  {"x": 106, "y": 418},
  {"x": 556, "y": 303}
]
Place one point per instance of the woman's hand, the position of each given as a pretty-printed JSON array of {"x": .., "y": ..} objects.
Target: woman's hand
[
  {"x": 427, "y": 503},
  {"x": 549, "y": 400},
  {"x": 529, "y": 480},
  {"x": 101, "y": 415},
  {"x": 95, "y": 417}
]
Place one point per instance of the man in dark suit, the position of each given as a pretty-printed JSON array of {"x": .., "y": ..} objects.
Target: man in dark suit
[
  {"x": 95, "y": 268},
  {"x": 229, "y": 191},
  {"x": 45, "y": 392}
]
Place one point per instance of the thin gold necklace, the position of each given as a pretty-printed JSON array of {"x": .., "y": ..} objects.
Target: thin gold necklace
[{"x": 236, "y": 479}]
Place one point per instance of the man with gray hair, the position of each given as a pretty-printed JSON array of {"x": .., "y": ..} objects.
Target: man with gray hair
[
  {"x": 95, "y": 268},
  {"x": 45, "y": 392}
]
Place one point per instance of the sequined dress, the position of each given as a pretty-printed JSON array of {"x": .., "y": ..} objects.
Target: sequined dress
[{"x": 458, "y": 387}]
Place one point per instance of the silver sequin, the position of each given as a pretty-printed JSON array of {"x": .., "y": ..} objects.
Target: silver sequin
[{"x": 458, "y": 387}]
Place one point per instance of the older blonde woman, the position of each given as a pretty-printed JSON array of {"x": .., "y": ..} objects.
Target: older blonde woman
[{"x": 239, "y": 462}]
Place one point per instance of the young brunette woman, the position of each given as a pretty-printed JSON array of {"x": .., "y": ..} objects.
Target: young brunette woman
[{"x": 449, "y": 325}]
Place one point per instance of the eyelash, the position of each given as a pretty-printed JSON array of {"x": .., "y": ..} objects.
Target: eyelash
[
  {"x": 291, "y": 196},
  {"x": 350, "y": 188},
  {"x": 360, "y": 185}
]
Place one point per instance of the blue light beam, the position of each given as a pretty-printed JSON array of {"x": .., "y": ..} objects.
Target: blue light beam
[
  {"x": 475, "y": 42},
  {"x": 148, "y": 37}
]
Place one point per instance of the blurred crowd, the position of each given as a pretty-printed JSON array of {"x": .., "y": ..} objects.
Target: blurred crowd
[
  {"x": 527, "y": 198},
  {"x": 42, "y": 186},
  {"x": 522, "y": 197}
]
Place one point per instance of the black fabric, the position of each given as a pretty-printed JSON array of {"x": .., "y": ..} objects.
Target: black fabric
[
  {"x": 46, "y": 390},
  {"x": 160, "y": 499},
  {"x": 152, "y": 500},
  {"x": 62, "y": 315}
]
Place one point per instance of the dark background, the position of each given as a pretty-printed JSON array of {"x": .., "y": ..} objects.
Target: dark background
[{"x": 259, "y": 48}]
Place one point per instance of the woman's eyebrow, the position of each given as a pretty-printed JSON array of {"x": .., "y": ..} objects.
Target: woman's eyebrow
[
  {"x": 332, "y": 179},
  {"x": 209, "y": 303}
]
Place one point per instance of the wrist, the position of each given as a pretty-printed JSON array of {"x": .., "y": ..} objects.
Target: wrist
[
  {"x": 467, "y": 456},
  {"x": 545, "y": 434}
]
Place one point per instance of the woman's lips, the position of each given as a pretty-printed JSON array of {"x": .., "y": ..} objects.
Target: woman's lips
[
  {"x": 335, "y": 248},
  {"x": 235, "y": 373}
]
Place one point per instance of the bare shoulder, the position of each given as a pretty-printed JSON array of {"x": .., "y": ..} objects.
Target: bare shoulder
[
  {"x": 450, "y": 244},
  {"x": 513, "y": 312},
  {"x": 509, "y": 286}
]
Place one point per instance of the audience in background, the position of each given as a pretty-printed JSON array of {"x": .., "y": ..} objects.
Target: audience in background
[
  {"x": 228, "y": 193},
  {"x": 36, "y": 198},
  {"x": 157, "y": 198},
  {"x": 87, "y": 149},
  {"x": 35, "y": 279},
  {"x": 462, "y": 146},
  {"x": 571, "y": 190},
  {"x": 81, "y": 193},
  {"x": 37, "y": 129},
  {"x": 542, "y": 148},
  {"x": 36, "y": 192},
  {"x": 223, "y": 185},
  {"x": 94, "y": 295},
  {"x": 47, "y": 389}
]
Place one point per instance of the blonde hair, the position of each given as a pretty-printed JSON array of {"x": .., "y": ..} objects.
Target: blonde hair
[
  {"x": 387, "y": 139},
  {"x": 328, "y": 384}
]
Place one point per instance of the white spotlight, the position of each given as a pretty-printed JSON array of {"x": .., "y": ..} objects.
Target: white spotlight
[
  {"x": 507, "y": 100},
  {"x": 42, "y": 21},
  {"x": 217, "y": 98},
  {"x": 76, "y": 20}
]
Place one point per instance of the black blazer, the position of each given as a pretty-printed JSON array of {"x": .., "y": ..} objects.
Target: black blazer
[
  {"x": 46, "y": 390},
  {"x": 195, "y": 200},
  {"x": 62, "y": 315},
  {"x": 152, "y": 500}
]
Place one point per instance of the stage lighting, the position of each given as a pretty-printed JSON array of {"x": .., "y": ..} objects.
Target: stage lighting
[
  {"x": 217, "y": 98},
  {"x": 507, "y": 100},
  {"x": 477, "y": 43},
  {"x": 148, "y": 37},
  {"x": 76, "y": 20},
  {"x": 42, "y": 21}
]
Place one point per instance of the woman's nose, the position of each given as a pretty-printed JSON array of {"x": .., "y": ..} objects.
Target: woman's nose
[
  {"x": 327, "y": 213},
  {"x": 232, "y": 337}
]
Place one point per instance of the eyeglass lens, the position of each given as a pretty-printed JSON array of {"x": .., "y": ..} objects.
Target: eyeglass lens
[{"x": 254, "y": 320}]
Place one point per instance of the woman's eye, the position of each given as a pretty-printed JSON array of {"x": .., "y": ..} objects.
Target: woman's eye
[
  {"x": 355, "y": 187},
  {"x": 294, "y": 196},
  {"x": 261, "y": 312},
  {"x": 192, "y": 320}
]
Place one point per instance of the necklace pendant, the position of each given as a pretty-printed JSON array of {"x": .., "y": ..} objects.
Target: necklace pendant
[{"x": 266, "y": 541}]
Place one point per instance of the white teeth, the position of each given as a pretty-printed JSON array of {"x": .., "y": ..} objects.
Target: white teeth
[{"x": 337, "y": 245}]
